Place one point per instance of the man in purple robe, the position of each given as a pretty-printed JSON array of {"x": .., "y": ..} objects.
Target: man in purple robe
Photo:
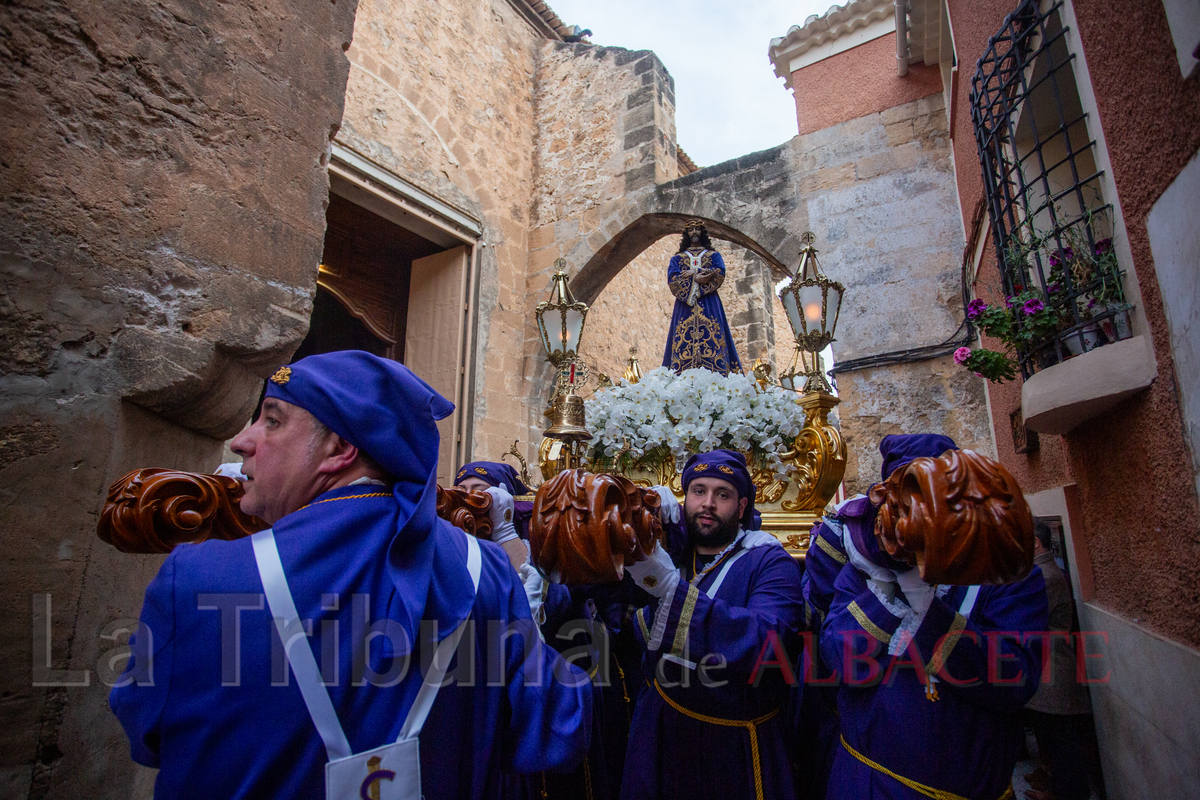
[
  {"x": 699, "y": 336},
  {"x": 719, "y": 638},
  {"x": 932, "y": 678},
  {"x": 342, "y": 462}
]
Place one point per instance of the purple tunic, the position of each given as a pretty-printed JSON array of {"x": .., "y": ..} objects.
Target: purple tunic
[
  {"x": 752, "y": 627},
  {"x": 965, "y": 742},
  {"x": 209, "y": 699}
]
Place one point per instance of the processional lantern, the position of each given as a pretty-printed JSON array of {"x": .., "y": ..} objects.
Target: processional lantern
[
  {"x": 560, "y": 322},
  {"x": 812, "y": 302}
]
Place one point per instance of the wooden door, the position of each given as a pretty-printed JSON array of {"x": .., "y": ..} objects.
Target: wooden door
[{"x": 435, "y": 338}]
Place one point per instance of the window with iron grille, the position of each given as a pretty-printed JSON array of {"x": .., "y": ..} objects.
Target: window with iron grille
[{"x": 1050, "y": 223}]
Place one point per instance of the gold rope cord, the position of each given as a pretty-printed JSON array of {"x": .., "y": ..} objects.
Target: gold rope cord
[
  {"x": 928, "y": 791},
  {"x": 749, "y": 724}
]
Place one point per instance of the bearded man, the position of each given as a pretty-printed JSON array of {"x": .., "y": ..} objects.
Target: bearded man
[
  {"x": 223, "y": 692},
  {"x": 719, "y": 640}
]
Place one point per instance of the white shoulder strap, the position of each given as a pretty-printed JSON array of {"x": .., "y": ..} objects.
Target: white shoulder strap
[
  {"x": 711, "y": 591},
  {"x": 304, "y": 664},
  {"x": 968, "y": 602},
  {"x": 299, "y": 654},
  {"x": 441, "y": 657}
]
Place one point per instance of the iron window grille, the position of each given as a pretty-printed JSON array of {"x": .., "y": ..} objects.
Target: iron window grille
[{"x": 1051, "y": 227}]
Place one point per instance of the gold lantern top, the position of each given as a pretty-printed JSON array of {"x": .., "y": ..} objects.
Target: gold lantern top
[{"x": 560, "y": 319}]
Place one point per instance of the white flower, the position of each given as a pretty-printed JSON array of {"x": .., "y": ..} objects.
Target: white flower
[{"x": 692, "y": 412}]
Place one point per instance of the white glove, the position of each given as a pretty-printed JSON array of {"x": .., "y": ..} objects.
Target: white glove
[
  {"x": 535, "y": 591},
  {"x": 656, "y": 573},
  {"x": 918, "y": 593},
  {"x": 872, "y": 570},
  {"x": 231, "y": 470},
  {"x": 501, "y": 515},
  {"x": 669, "y": 511}
]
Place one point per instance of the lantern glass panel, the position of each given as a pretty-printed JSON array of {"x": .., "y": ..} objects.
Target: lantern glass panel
[
  {"x": 811, "y": 300},
  {"x": 792, "y": 309},
  {"x": 574, "y": 328},
  {"x": 833, "y": 301}
]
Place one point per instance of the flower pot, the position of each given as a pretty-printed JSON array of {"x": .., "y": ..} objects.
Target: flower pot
[
  {"x": 1117, "y": 326},
  {"x": 1088, "y": 338}
]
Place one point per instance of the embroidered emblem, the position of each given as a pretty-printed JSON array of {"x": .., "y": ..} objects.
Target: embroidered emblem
[
  {"x": 650, "y": 581},
  {"x": 725, "y": 469},
  {"x": 481, "y": 470},
  {"x": 282, "y": 375},
  {"x": 462, "y": 472},
  {"x": 370, "y": 786},
  {"x": 700, "y": 468},
  {"x": 508, "y": 515}
]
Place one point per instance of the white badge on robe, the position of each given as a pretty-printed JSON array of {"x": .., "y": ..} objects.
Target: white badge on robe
[{"x": 390, "y": 772}]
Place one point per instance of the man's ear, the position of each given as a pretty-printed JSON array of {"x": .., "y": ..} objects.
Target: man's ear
[
  {"x": 339, "y": 455},
  {"x": 742, "y": 506}
]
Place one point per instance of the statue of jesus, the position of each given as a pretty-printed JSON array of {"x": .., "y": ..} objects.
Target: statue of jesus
[{"x": 699, "y": 335}]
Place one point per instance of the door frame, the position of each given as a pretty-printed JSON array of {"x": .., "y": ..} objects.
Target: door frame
[{"x": 356, "y": 178}]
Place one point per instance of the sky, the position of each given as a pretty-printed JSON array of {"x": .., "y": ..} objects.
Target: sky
[{"x": 728, "y": 101}]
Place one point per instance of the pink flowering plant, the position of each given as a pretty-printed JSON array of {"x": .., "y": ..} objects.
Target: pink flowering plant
[
  {"x": 1024, "y": 321},
  {"x": 1084, "y": 280}
]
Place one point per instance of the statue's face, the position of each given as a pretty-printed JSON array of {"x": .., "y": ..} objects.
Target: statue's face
[{"x": 694, "y": 233}]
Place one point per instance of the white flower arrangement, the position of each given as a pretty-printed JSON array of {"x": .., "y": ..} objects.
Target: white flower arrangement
[{"x": 665, "y": 415}]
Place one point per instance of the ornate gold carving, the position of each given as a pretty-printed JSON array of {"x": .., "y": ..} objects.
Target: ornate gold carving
[
  {"x": 512, "y": 451},
  {"x": 818, "y": 457},
  {"x": 152, "y": 510},
  {"x": 633, "y": 370},
  {"x": 587, "y": 527},
  {"x": 960, "y": 518}
]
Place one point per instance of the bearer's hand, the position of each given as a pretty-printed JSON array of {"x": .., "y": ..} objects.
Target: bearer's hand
[
  {"x": 668, "y": 510},
  {"x": 503, "y": 529},
  {"x": 656, "y": 573},
  {"x": 535, "y": 591},
  {"x": 918, "y": 593}
]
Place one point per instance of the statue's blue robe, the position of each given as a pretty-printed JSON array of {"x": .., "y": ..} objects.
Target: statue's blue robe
[
  {"x": 967, "y": 741},
  {"x": 699, "y": 335},
  {"x": 753, "y": 624},
  {"x": 253, "y": 738}
]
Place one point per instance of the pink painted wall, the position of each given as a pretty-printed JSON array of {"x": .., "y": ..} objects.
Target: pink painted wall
[
  {"x": 857, "y": 82},
  {"x": 1137, "y": 509}
]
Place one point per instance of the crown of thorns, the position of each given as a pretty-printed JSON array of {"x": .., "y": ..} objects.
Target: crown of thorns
[{"x": 695, "y": 222}]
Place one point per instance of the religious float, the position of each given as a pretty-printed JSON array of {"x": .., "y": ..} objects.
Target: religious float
[
  {"x": 644, "y": 426},
  {"x": 960, "y": 518}
]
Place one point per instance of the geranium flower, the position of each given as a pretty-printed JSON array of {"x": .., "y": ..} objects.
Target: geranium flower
[
  {"x": 1054, "y": 288},
  {"x": 976, "y": 308},
  {"x": 1062, "y": 257},
  {"x": 1033, "y": 306},
  {"x": 1102, "y": 247},
  {"x": 962, "y": 354}
]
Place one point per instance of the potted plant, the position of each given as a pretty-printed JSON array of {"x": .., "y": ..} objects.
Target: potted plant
[
  {"x": 1107, "y": 304},
  {"x": 1024, "y": 322}
]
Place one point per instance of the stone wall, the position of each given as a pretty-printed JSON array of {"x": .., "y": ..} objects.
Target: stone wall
[
  {"x": 879, "y": 193},
  {"x": 443, "y": 95},
  {"x": 163, "y": 212},
  {"x": 605, "y": 129}
]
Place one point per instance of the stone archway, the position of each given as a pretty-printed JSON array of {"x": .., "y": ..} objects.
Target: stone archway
[{"x": 763, "y": 219}]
